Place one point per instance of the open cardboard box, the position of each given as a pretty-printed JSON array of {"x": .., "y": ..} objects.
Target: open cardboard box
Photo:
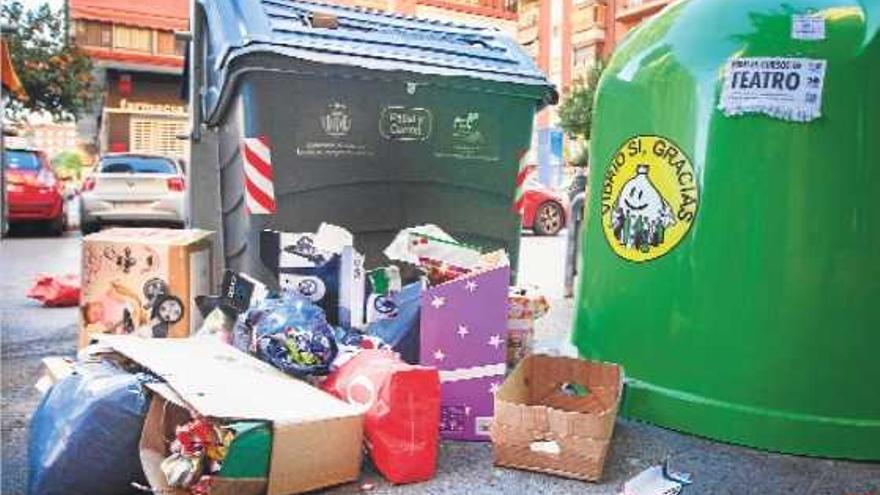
[
  {"x": 316, "y": 438},
  {"x": 167, "y": 411},
  {"x": 540, "y": 427}
]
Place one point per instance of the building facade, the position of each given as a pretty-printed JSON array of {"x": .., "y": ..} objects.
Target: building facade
[
  {"x": 566, "y": 38},
  {"x": 628, "y": 14},
  {"x": 138, "y": 67},
  {"x": 139, "y": 63},
  {"x": 52, "y": 137}
]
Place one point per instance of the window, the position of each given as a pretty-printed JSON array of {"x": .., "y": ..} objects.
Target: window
[
  {"x": 165, "y": 43},
  {"x": 583, "y": 57},
  {"x": 91, "y": 33},
  {"x": 158, "y": 136},
  {"x": 137, "y": 165},
  {"x": 132, "y": 38},
  {"x": 22, "y": 160}
]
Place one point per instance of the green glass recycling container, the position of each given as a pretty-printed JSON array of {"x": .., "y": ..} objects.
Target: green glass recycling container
[{"x": 731, "y": 252}]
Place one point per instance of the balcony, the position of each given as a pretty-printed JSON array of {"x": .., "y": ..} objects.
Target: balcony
[
  {"x": 502, "y": 9},
  {"x": 122, "y": 46},
  {"x": 633, "y": 11},
  {"x": 588, "y": 17}
]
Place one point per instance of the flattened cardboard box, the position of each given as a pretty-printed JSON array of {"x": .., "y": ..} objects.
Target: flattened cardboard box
[
  {"x": 144, "y": 281},
  {"x": 538, "y": 426},
  {"x": 316, "y": 438}
]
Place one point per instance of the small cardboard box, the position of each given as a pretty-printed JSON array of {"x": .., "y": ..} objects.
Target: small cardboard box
[
  {"x": 144, "y": 281},
  {"x": 556, "y": 415},
  {"x": 316, "y": 438},
  {"x": 526, "y": 305},
  {"x": 463, "y": 333}
]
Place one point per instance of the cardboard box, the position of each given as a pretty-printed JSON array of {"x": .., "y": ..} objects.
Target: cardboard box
[
  {"x": 463, "y": 333},
  {"x": 144, "y": 281},
  {"x": 556, "y": 415},
  {"x": 316, "y": 438}
]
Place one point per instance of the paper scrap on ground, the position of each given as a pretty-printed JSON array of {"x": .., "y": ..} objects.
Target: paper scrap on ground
[{"x": 657, "y": 480}]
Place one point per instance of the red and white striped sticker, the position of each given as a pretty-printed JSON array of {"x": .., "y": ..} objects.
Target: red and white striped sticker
[
  {"x": 259, "y": 196},
  {"x": 524, "y": 172}
]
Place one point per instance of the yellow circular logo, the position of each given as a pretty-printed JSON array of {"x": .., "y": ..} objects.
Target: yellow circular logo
[{"x": 649, "y": 198}]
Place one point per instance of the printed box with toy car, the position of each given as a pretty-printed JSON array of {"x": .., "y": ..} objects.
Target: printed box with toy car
[
  {"x": 143, "y": 281},
  {"x": 556, "y": 415},
  {"x": 223, "y": 422}
]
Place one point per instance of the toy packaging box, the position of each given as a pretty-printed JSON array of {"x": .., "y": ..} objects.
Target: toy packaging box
[
  {"x": 464, "y": 335},
  {"x": 143, "y": 281}
]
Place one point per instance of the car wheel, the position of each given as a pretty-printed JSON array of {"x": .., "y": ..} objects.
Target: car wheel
[
  {"x": 549, "y": 219},
  {"x": 56, "y": 226},
  {"x": 89, "y": 227}
]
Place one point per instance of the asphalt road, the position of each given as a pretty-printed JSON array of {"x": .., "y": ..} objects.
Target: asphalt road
[{"x": 30, "y": 332}]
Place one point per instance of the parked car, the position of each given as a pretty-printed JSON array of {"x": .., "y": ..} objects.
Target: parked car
[
  {"x": 545, "y": 211},
  {"x": 132, "y": 188},
  {"x": 34, "y": 193}
]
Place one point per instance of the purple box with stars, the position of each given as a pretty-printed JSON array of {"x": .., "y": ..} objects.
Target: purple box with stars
[{"x": 464, "y": 335}]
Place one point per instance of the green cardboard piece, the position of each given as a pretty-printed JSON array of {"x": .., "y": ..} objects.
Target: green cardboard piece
[{"x": 249, "y": 452}]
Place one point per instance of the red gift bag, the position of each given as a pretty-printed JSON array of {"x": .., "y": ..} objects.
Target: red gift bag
[
  {"x": 56, "y": 291},
  {"x": 403, "y": 412}
]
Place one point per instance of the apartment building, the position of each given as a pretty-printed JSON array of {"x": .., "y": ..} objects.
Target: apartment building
[
  {"x": 139, "y": 67},
  {"x": 52, "y": 137}
]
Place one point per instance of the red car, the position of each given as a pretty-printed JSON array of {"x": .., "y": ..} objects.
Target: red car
[
  {"x": 33, "y": 192},
  {"x": 545, "y": 211}
]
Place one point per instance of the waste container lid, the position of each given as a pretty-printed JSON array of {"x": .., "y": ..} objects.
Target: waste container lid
[{"x": 336, "y": 35}]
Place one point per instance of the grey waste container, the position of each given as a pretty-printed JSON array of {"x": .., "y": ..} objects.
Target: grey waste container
[{"x": 313, "y": 113}]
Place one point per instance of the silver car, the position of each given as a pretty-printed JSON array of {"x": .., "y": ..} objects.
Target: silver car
[{"x": 131, "y": 188}]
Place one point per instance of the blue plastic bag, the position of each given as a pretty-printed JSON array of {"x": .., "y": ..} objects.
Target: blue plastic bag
[
  {"x": 293, "y": 335},
  {"x": 84, "y": 435}
]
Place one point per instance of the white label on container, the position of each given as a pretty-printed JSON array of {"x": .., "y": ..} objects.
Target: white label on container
[
  {"x": 807, "y": 27},
  {"x": 783, "y": 88},
  {"x": 483, "y": 425}
]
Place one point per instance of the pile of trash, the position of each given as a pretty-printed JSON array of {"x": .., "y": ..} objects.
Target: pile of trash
[{"x": 244, "y": 404}]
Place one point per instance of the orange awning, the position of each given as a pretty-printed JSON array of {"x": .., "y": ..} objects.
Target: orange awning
[{"x": 11, "y": 82}]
